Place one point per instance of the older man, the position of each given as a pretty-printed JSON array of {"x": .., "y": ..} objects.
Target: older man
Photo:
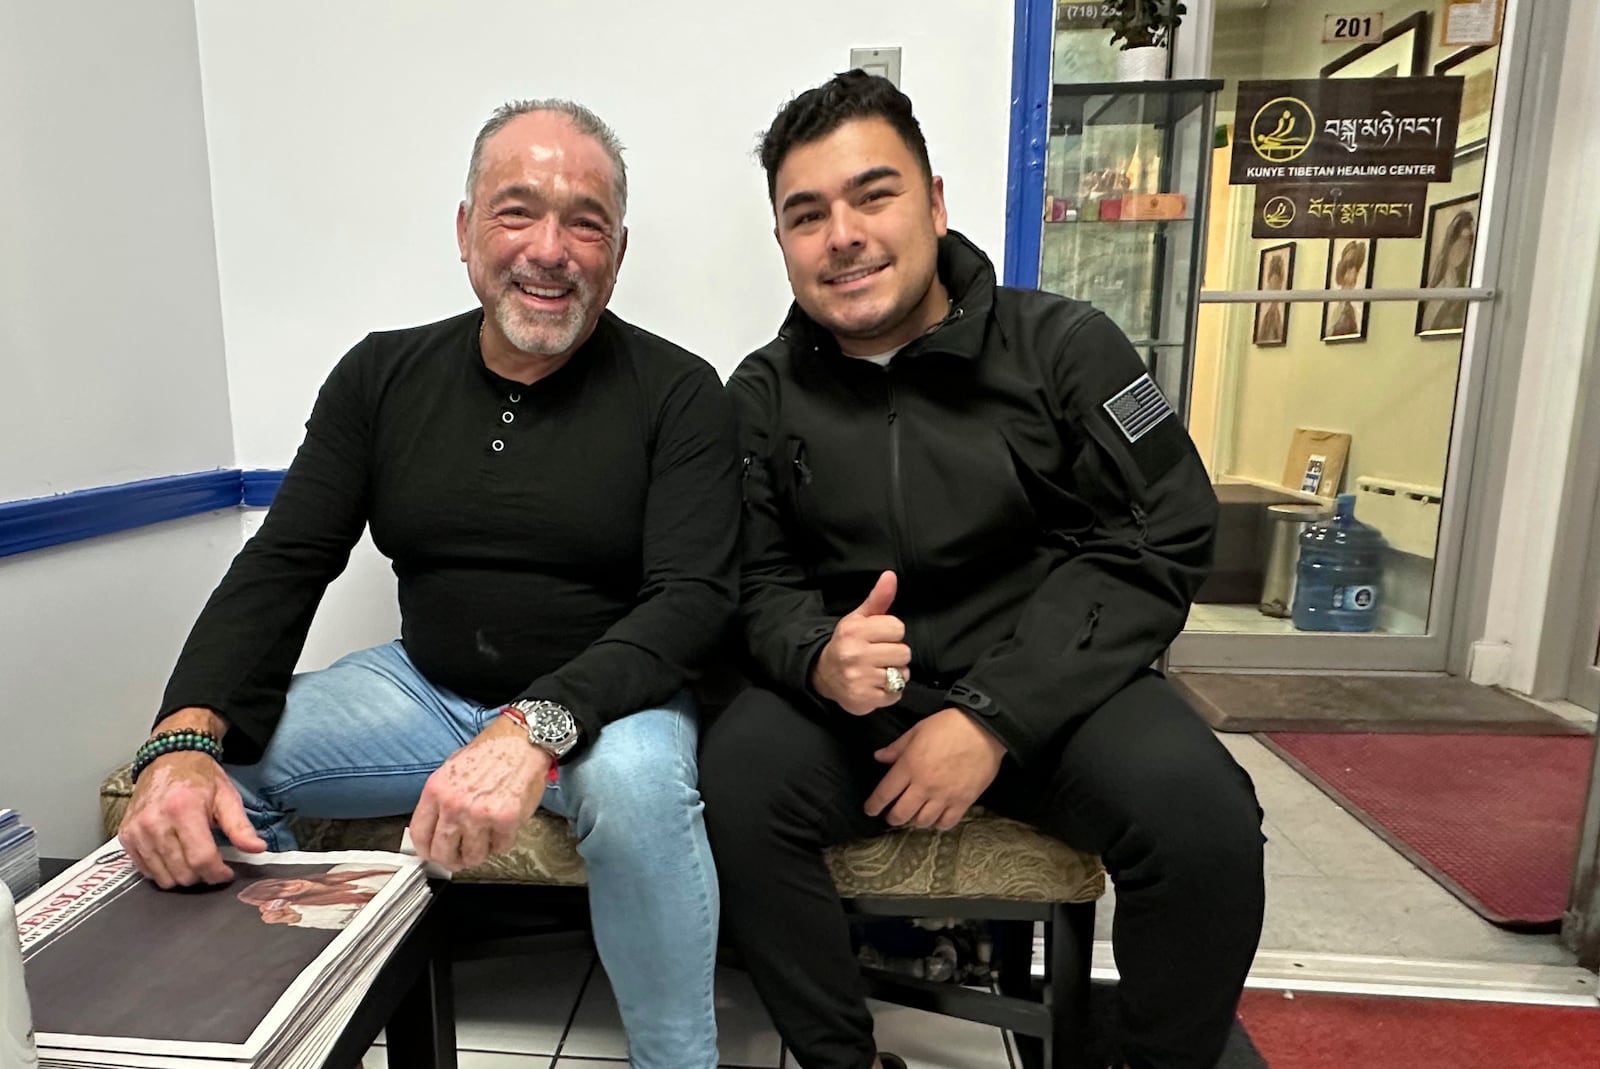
[{"x": 557, "y": 491}]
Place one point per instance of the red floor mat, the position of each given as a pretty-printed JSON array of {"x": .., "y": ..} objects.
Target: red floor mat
[
  {"x": 1353, "y": 1032},
  {"x": 1495, "y": 819}
]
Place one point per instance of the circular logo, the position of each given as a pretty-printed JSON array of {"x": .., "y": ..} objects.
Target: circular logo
[
  {"x": 1362, "y": 597},
  {"x": 1278, "y": 212},
  {"x": 1282, "y": 129}
]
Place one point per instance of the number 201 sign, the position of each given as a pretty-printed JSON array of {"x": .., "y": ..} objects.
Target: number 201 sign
[{"x": 1352, "y": 29}]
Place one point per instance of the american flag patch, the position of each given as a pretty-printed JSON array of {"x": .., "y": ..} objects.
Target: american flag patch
[{"x": 1138, "y": 409}]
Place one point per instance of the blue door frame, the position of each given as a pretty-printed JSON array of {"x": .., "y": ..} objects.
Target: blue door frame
[{"x": 1031, "y": 49}]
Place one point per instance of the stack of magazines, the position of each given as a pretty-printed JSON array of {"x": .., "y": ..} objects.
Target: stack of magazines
[
  {"x": 264, "y": 972},
  {"x": 19, "y": 854}
]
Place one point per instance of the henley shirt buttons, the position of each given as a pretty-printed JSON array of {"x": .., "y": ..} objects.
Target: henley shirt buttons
[
  {"x": 514, "y": 398},
  {"x": 506, "y": 417},
  {"x": 497, "y": 445}
]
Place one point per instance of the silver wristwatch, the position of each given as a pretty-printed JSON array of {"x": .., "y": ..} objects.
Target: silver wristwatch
[{"x": 550, "y": 726}]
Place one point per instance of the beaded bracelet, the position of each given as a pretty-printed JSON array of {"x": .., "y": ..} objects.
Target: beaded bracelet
[{"x": 166, "y": 742}]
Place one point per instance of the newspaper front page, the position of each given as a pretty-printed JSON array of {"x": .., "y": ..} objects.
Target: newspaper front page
[{"x": 258, "y": 972}]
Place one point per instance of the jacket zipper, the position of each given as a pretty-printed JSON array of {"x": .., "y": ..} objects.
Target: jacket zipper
[
  {"x": 1138, "y": 513},
  {"x": 802, "y": 471},
  {"x": 898, "y": 524},
  {"x": 1086, "y": 632}
]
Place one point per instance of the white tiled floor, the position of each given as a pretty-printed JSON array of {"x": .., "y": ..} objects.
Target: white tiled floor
[
  {"x": 523, "y": 1013},
  {"x": 1332, "y": 887},
  {"x": 745, "y": 1033}
]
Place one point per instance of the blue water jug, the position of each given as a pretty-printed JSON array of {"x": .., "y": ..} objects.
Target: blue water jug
[{"x": 1339, "y": 579}]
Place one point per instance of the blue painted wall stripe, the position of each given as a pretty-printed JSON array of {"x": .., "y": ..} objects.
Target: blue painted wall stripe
[
  {"x": 260, "y": 486},
  {"x": 1032, "y": 41},
  {"x": 51, "y": 521},
  {"x": 39, "y": 522}
]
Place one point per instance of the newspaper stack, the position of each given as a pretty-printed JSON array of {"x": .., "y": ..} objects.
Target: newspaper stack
[
  {"x": 19, "y": 854},
  {"x": 266, "y": 971}
]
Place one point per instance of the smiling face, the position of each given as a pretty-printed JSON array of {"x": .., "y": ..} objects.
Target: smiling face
[
  {"x": 859, "y": 227},
  {"x": 542, "y": 235}
]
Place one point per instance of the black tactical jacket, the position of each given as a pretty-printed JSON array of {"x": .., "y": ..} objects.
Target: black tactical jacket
[{"x": 1046, "y": 513}]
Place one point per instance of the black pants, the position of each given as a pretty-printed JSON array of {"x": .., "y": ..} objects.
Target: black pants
[{"x": 1141, "y": 782}]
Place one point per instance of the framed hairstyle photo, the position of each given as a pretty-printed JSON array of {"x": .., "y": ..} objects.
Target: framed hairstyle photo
[
  {"x": 1276, "y": 272},
  {"x": 1349, "y": 268},
  {"x": 1402, "y": 53},
  {"x": 1447, "y": 251},
  {"x": 1477, "y": 67}
]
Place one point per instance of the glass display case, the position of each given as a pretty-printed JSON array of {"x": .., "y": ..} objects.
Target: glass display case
[{"x": 1126, "y": 174}]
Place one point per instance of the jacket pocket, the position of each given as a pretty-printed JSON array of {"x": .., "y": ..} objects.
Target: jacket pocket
[
  {"x": 1091, "y": 620},
  {"x": 1063, "y": 517},
  {"x": 796, "y": 485}
]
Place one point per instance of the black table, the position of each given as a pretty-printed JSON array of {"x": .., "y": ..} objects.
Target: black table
[{"x": 410, "y": 1000}]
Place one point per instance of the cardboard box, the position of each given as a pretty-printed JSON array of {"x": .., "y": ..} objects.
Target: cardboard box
[{"x": 1316, "y": 461}]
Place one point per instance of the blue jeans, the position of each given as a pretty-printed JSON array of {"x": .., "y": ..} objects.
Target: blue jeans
[{"x": 362, "y": 736}]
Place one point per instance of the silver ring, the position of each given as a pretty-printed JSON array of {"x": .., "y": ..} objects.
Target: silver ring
[{"x": 894, "y": 682}]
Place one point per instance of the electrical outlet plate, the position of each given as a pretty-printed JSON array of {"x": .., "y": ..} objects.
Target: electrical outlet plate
[{"x": 882, "y": 61}]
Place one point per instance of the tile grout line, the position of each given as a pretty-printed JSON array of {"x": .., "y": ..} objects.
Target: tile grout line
[{"x": 572, "y": 1015}]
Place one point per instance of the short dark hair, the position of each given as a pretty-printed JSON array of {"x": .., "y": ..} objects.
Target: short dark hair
[{"x": 818, "y": 112}]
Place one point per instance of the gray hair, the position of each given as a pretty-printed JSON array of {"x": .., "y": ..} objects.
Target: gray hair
[{"x": 586, "y": 121}]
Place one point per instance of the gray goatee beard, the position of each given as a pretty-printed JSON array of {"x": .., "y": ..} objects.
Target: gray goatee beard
[{"x": 540, "y": 333}]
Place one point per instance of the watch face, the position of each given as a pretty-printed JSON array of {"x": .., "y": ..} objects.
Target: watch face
[{"x": 551, "y": 726}]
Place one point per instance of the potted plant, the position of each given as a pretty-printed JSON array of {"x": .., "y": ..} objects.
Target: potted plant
[{"x": 1145, "y": 29}]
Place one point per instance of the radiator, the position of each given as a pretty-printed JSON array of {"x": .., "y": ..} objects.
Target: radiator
[{"x": 1407, "y": 514}]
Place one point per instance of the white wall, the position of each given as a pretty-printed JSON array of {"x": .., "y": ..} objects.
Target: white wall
[
  {"x": 339, "y": 137},
  {"x": 111, "y": 369},
  {"x": 88, "y": 635},
  {"x": 109, "y": 327}
]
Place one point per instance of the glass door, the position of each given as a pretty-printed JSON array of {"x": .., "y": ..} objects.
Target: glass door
[
  {"x": 1312, "y": 364},
  {"x": 1338, "y": 350},
  {"x": 1126, "y": 171}
]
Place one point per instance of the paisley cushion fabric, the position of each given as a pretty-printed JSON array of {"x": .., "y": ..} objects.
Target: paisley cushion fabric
[{"x": 984, "y": 856}]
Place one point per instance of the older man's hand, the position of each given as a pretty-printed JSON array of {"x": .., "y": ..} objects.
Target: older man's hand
[
  {"x": 474, "y": 805},
  {"x": 179, "y": 798}
]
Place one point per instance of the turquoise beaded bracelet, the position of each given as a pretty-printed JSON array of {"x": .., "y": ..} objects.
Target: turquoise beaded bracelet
[{"x": 167, "y": 742}]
